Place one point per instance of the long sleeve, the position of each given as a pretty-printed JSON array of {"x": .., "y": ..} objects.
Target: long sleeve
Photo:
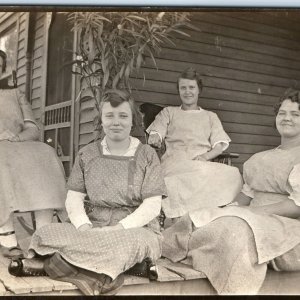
[
  {"x": 75, "y": 208},
  {"x": 161, "y": 123},
  {"x": 146, "y": 212}
]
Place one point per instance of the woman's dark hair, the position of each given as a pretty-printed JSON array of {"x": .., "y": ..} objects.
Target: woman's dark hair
[
  {"x": 291, "y": 94},
  {"x": 191, "y": 74},
  {"x": 4, "y": 58},
  {"x": 117, "y": 97}
]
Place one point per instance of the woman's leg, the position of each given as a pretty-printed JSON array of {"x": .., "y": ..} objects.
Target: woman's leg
[
  {"x": 90, "y": 283},
  {"x": 43, "y": 217},
  {"x": 225, "y": 251},
  {"x": 7, "y": 234},
  {"x": 8, "y": 241},
  {"x": 289, "y": 261}
]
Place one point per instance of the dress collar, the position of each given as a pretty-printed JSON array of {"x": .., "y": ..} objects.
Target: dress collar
[
  {"x": 134, "y": 143},
  {"x": 192, "y": 111}
]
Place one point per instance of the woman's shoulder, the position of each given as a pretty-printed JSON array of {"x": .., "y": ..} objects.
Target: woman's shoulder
[
  {"x": 146, "y": 152},
  {"x": 210, "y": 113},
  {"x": 146, "y": 149},
  {"x": 89, "y": 149},
  {"x": 258, "y": 156},
  {"x": 171, "y": 109}
]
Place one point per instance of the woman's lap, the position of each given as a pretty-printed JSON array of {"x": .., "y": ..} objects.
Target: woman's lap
[
  {"x": 31, "y": 178},
  {"x": 108, "y": 252}
]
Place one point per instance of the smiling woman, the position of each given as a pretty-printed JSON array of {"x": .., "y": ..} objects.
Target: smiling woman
[
  {"x": 123, "y": 182},
  {"x": 288, "y": 117},
  {"x": 266, "y": 221},
  {"x": 117, "y": 122},
  {"x": 193, "y": 137}
]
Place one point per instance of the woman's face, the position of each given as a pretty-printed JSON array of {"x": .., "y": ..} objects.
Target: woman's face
[
  {"x": 188, "y": 91},
  {"x": 288, "y": 119},
  {"x": 117, "y": 121}
]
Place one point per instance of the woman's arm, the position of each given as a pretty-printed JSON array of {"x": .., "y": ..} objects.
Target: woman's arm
[
  {"x": 286, "y": 208},
  {"x": 76, "y": 212},
  {"x": 242, "y": 199},
  {"x": 146, "y": 212},
  {"x": 216, "y": 151},
  {"x": 30, "y": 132},
  {"x": 159, "y": 127}
]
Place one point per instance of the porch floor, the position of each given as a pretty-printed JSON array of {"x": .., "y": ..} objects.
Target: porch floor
[{"x": 173, "y": 279}]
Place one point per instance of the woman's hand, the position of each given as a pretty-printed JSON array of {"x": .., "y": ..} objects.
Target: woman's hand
[
  {"x": 85, "y": 227},
  {"x": 9, "y": 136},
  {"x": 14, "y": 138},
  {"x": 201, "y": 157},
  {"x": 154, "y": 140}
]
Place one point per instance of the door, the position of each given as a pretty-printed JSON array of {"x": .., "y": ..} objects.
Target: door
[{"x": 59, "y": 105}]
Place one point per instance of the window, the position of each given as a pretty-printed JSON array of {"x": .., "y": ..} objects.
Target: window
[
  {"x": 8, "y": 44},
  {"x": 59, "y": 55}
]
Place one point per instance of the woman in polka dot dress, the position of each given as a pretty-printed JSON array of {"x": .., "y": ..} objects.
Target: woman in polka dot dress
[{"x": 122, "y": 179}]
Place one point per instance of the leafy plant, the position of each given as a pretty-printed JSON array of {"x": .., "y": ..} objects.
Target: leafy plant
[{"x": 113, "y": 45}]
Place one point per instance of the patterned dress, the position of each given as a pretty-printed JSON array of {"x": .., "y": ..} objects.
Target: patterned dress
[
  {"x": 233, "y": 245},
  {"x": 31, "y": 175},
  {"x": 190, "y": 183},
  {"x": 116, "y": 186}
]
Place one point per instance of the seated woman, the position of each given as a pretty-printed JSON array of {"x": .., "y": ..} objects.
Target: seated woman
[
  {"x": 193, "y": 136},
  {"x": 31, "y": 176},
  {"x": 234, "y": 244},
  {"x": 123, "y": 181}
]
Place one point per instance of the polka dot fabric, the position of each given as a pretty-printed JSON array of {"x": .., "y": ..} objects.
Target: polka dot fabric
[
  {"x": 116, "y": 185},
  {"x": 110, "y": 253}
]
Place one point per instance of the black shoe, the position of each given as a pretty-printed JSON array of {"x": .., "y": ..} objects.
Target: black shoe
[
  {"x": 27, "y": 267},
  {"x": 144, "y": 269}
]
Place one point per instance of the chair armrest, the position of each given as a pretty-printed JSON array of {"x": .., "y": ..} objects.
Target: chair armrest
[{"x": 226, "y": 157}]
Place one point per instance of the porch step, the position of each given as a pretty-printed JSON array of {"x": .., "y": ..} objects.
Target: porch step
[
  {"x": 173, "y": 279},
  {"x": 10, "y": 285}
]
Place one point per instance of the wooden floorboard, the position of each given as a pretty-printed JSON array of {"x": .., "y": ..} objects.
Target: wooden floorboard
[
  {"x": 3, "y": 290},
  {"x": 183, "y": 270},
  {"x": 29, "y": 285},
  {"x": 173, "y": 279}
]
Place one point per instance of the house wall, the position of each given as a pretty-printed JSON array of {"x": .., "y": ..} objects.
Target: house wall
[
  {"x": 38, "y": 68},
  {"x": 247, "y": 60},
  {"x": 37, "y": 72},
  {"x": 21, "y": 20}
]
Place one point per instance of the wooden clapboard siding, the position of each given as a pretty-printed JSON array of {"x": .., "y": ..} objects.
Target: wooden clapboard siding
[
  {"x": 23, "y": 19},
  {"x": 37, "y": 64},
  {"x": 87, "y": 115},
  {"x": 245, "y": 67},
  {"x": 6, "y": 20},
  {"x": 246, "y": 59}
]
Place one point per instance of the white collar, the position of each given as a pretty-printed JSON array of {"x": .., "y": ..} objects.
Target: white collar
[
  {"x": 193, "y": 111},
  {"x": 134, "y": 143}
]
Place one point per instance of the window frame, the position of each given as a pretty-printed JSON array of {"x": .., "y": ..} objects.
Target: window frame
[{"x": 8, "y": 22}]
